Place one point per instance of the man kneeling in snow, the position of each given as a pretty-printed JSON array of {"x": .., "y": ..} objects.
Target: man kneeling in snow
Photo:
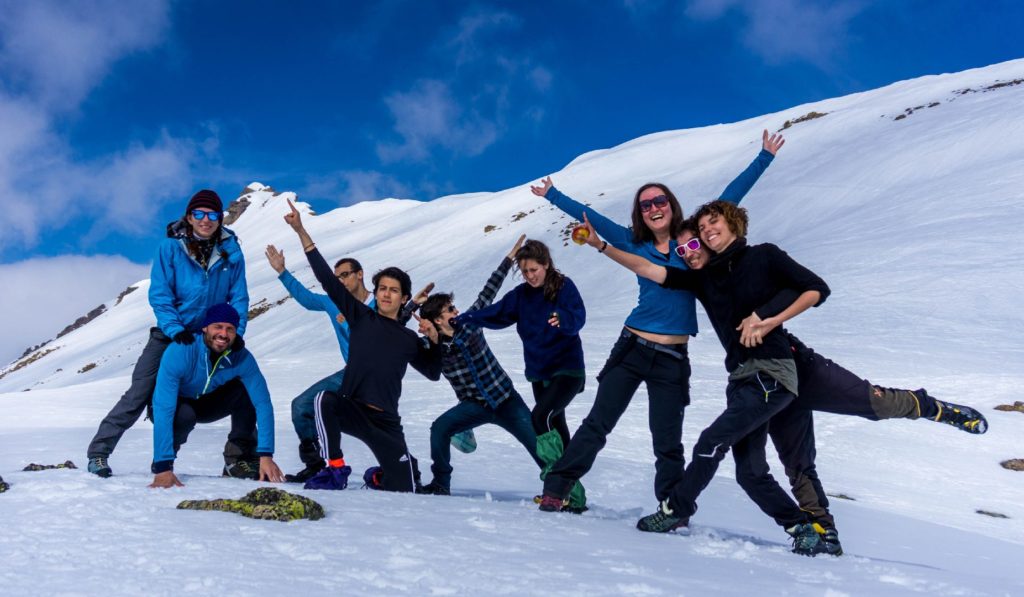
[{"x": 203, "y": 382}]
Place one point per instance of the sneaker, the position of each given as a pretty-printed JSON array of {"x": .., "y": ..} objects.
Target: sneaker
[
  {"x": 305, "y": 474},
  {"x": 830, "y": 538},
  {"x": 99, "y": 467},
  {"x": 242, "y": 469},
  {"x": 662, "y": 521},
  {"x": 373, "y": 478},
  {"x": 806, "y": 540},
  {"x": 434, "y": 488},
  {"x": 329, "y": 477},
  {"x": 961, "y": 417},
  {"x": 550, "y": 503}
]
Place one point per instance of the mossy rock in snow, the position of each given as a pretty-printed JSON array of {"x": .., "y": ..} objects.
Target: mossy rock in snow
[
  {"x": 264, "y": 503},
  {"x": 3, "y": 486},
  {"x": 46, "y": 467}
]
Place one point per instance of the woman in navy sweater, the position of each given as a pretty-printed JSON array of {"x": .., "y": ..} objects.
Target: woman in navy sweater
[{"x": 548, "y": 313}]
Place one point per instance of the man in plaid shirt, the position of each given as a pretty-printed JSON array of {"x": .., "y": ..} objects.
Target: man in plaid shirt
[{"x": 484, "y": 390}]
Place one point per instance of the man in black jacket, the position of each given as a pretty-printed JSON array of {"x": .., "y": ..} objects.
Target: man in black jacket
[{"x": 380, "y": 350}]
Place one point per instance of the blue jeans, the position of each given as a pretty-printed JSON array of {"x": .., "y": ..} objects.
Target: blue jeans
[
  {"x": 304, "y": 419},
  {"x": 512, "y": 415}
]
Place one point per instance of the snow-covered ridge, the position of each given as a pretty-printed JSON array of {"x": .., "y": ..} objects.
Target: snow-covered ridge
[{"x": 913, "y": 217}]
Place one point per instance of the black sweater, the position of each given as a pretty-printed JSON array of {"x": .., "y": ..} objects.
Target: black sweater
[
  {"x": 739, "y": 281},
  {"x": 380, "y": 348}
]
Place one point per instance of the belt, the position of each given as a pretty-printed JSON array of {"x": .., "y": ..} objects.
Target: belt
[{"x": 674, "y": 350}]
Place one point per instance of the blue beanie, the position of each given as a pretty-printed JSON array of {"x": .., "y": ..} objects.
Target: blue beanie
[{"x": 222, "y": 313}]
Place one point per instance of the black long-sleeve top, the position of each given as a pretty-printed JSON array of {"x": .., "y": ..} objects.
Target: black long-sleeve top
[
  {"x": 380, "y": 349},
  {"x": 739, "y": 281}
]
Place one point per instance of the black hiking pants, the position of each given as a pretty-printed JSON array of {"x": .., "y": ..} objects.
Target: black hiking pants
[
  {"x": 827, "y": 387},
  {"x": 666, "y": 371},
  {"x": 229, "y": 400},
  {"x": 380, "y": 431},
  {"x": 743, "y": 427},
  {"x": 139, "y": 395},
  {"x": 552, "y": 396}
]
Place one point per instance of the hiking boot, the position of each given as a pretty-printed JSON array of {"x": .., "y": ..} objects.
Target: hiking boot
[
  {"x": 99, "y": 467},
  {"x": 434, "y": 488},
  {"x": 806, "y": 540},
  {"x": 662, "y": 521},
  {"x": 550, "y": 503},
  {"x": 243, "y": 469},
  {"x": 830, "y": 537},
  {"x": 330, "y": 477},
  {"x": 961, "y": 417},
  {"x": 373, "y": 478},
  {"x": 305, "y": 474}
]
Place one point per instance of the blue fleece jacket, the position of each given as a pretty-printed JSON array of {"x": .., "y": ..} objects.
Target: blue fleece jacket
[
  {"x": 187, "y": 372},
  {"x": 659, "y": 310},
  {"x": 314, "y": 301},
  {"x": 547, "y": 350},
  {"x": 181, "y": 291}
]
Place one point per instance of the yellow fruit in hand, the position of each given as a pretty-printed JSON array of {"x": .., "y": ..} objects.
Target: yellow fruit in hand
[{"x": 580, "y": 234}]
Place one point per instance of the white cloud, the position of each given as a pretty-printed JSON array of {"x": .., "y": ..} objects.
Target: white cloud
[
  {"x": 466, "y": 113},
  {"x": 782, "y": 30},
  {"x": 428, "y": 115},
  {"x": 43, "y": 295},
  {"x": 52, "y": 55},
  {"x": 60, "y": 50}
]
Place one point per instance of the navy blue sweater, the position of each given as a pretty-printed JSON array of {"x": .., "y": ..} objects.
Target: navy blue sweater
[{"x": 547, "y": 350}]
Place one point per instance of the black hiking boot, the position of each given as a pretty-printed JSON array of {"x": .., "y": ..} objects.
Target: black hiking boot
[
  {"x": 662, "y": 521},
  {"x": 434, "y": 488},
  {"x": 305, "y": 474},
  {"x": 243, "y": 469},
  {"x": 99, "y": 467},
  {"x": 806, "y": 540},
  {"x": 961, "y": 417}
]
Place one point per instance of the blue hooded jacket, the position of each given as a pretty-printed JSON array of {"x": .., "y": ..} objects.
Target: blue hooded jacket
[
  {"x": 187, "y": 372},
  {"x": 181, "y": 291}
]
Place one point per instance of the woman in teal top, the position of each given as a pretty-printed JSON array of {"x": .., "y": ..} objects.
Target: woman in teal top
[{"x": 652, "y": 347}]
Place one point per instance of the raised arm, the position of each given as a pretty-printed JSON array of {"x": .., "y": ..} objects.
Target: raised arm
[
  {"x": 339, "y": 295},
  {"x": 742, "y": 184},
  {"x": 497, "y": 278},
  {"x": 302, "y": 295},
  {"x": 615, "y": 233}
]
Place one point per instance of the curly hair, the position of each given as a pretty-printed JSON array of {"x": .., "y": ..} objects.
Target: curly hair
[{"x": 735, "y": 216}]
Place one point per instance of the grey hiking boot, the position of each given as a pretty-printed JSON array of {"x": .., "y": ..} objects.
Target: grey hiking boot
[
  {"x": 961, "y": 417},
  {"x": 243, "y": 469},
  {"x": 99, "y": 467},
  {"x": 830, "y": 538},
  {"x": 662, "y": 521},
  {"x": 806, "y": 540}
]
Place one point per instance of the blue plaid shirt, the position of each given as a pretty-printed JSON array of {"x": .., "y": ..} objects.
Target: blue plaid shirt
[{"x": 468, "y": 363}]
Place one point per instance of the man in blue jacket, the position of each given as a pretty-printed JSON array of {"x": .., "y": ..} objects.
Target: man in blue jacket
[
  {"x": 198, "y": 265},
  {"x": 205, "y": 381}
]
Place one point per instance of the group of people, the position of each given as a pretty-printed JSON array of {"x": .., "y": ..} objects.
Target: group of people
[{"x": 195, "y": 367}]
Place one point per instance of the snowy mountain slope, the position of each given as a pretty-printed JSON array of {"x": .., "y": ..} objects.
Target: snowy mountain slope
[{"x": 914, "y": 222}]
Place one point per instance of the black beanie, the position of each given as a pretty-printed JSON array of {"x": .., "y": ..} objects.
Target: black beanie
[{"x": 205, "y": 198}]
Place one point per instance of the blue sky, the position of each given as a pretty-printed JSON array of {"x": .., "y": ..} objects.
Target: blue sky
[{"x": 114, "y": 113}]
